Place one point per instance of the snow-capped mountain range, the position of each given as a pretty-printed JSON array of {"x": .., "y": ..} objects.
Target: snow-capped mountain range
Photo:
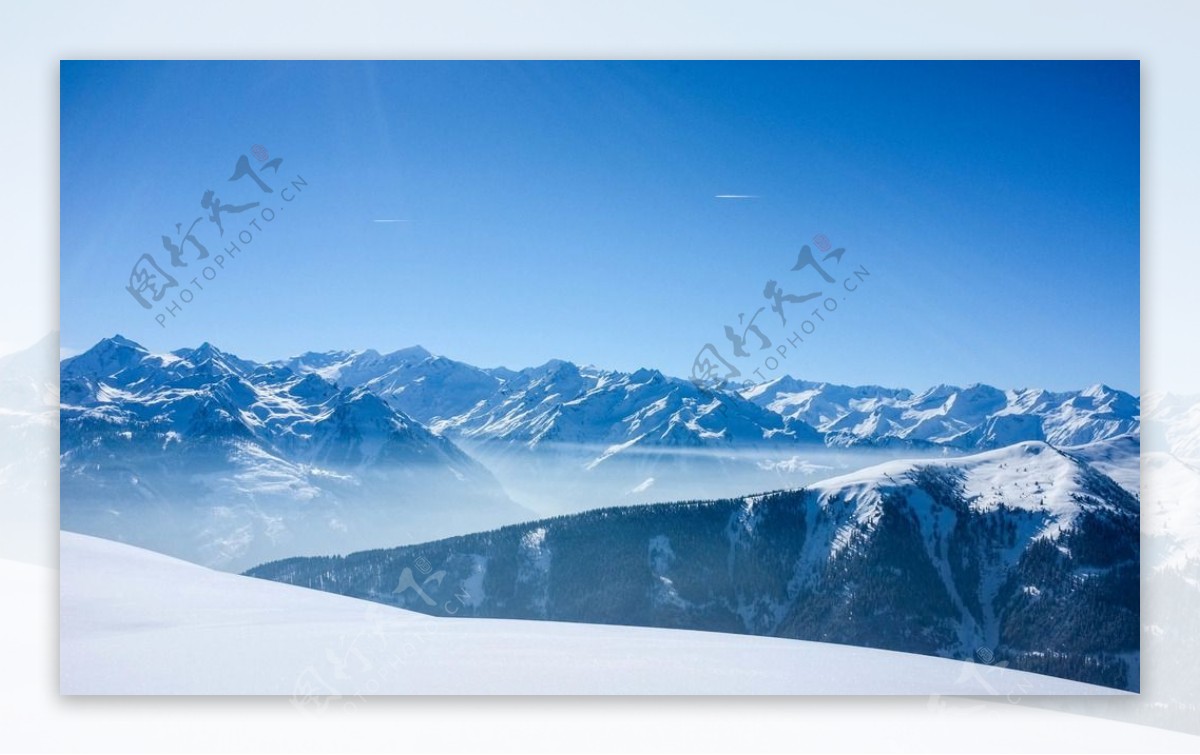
[
  {"x": 564, "y": 438},
  {"x": 1025, "y": 553},
  {"x": 225, "y": 461},
  {"x": 336, "y": 450},
  {"x": 975, "y": 417},
  {"x": 558, "y": 402},
  {"x": 562, "y": 402}
]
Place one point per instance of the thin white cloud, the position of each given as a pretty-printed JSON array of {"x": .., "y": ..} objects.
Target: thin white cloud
[{"x": 736, "y": 196}]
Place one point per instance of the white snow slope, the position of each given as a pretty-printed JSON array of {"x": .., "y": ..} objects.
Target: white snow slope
[{"x": 137, "y": 622}]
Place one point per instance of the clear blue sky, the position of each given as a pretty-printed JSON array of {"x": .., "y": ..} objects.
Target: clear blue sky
[{"x": 571, "y": 210}]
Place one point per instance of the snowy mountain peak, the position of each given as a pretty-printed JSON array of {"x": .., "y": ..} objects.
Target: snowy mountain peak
[
  {"x": 354, "y": 368},
  {"x": 207, "y": 358},
  {"x": 311, "y": 387},
  {"x": 553, "y": 368},
  {"x": 108, "y": 357},
  {"x": 784, "y": 384},
  {"x": 409, "y": 354},
  {"x": 1052, "y": 493},
  {"x": 121, "y": 341},
  {"x": 646, "y": 375},
  {"x": 111, "y": 347},
  {"x": 370, "y": 407}
]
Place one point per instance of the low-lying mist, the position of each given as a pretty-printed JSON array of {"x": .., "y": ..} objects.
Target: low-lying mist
[
  {"x": 231, "y": 510},
  {"x": 569, "y": 478}
]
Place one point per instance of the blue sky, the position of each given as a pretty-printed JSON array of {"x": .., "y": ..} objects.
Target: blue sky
[{"x": 571, "y": 210}]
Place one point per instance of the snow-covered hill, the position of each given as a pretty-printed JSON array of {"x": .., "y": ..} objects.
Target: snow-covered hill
[
  {"x": 226, "y": 462},
  {"x": 1026, "y": 553},
  {"x": 1119, "y": 458},
  {"x": 136, "y": 622},
  {"x": 1170, "y": 570}
]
